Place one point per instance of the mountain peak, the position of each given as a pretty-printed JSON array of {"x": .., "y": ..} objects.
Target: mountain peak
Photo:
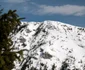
[{"x": 52, "y": 43}]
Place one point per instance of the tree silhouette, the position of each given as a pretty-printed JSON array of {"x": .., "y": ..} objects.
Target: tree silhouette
[{"x": 8, "y": 26}]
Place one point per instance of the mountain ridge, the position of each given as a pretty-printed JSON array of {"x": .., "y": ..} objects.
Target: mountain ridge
[{"x": 52, "y": 43}]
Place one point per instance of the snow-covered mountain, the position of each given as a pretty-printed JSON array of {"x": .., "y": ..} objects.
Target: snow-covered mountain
[{"x": 51, "y": 45}]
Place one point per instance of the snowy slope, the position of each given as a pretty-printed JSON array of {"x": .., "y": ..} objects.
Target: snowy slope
[{"x": 51, "y": 43}]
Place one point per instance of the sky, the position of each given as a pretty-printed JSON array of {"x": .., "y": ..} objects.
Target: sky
[{"x": 67, "y": 11}]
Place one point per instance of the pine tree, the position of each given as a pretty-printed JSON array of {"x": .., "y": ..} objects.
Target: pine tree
[
  {"x": 53, "y": 67},
  {"x": 8, "y": 26}
]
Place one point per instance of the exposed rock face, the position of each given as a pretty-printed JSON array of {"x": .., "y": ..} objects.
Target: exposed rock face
[{"x": 51, "y": 45}]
